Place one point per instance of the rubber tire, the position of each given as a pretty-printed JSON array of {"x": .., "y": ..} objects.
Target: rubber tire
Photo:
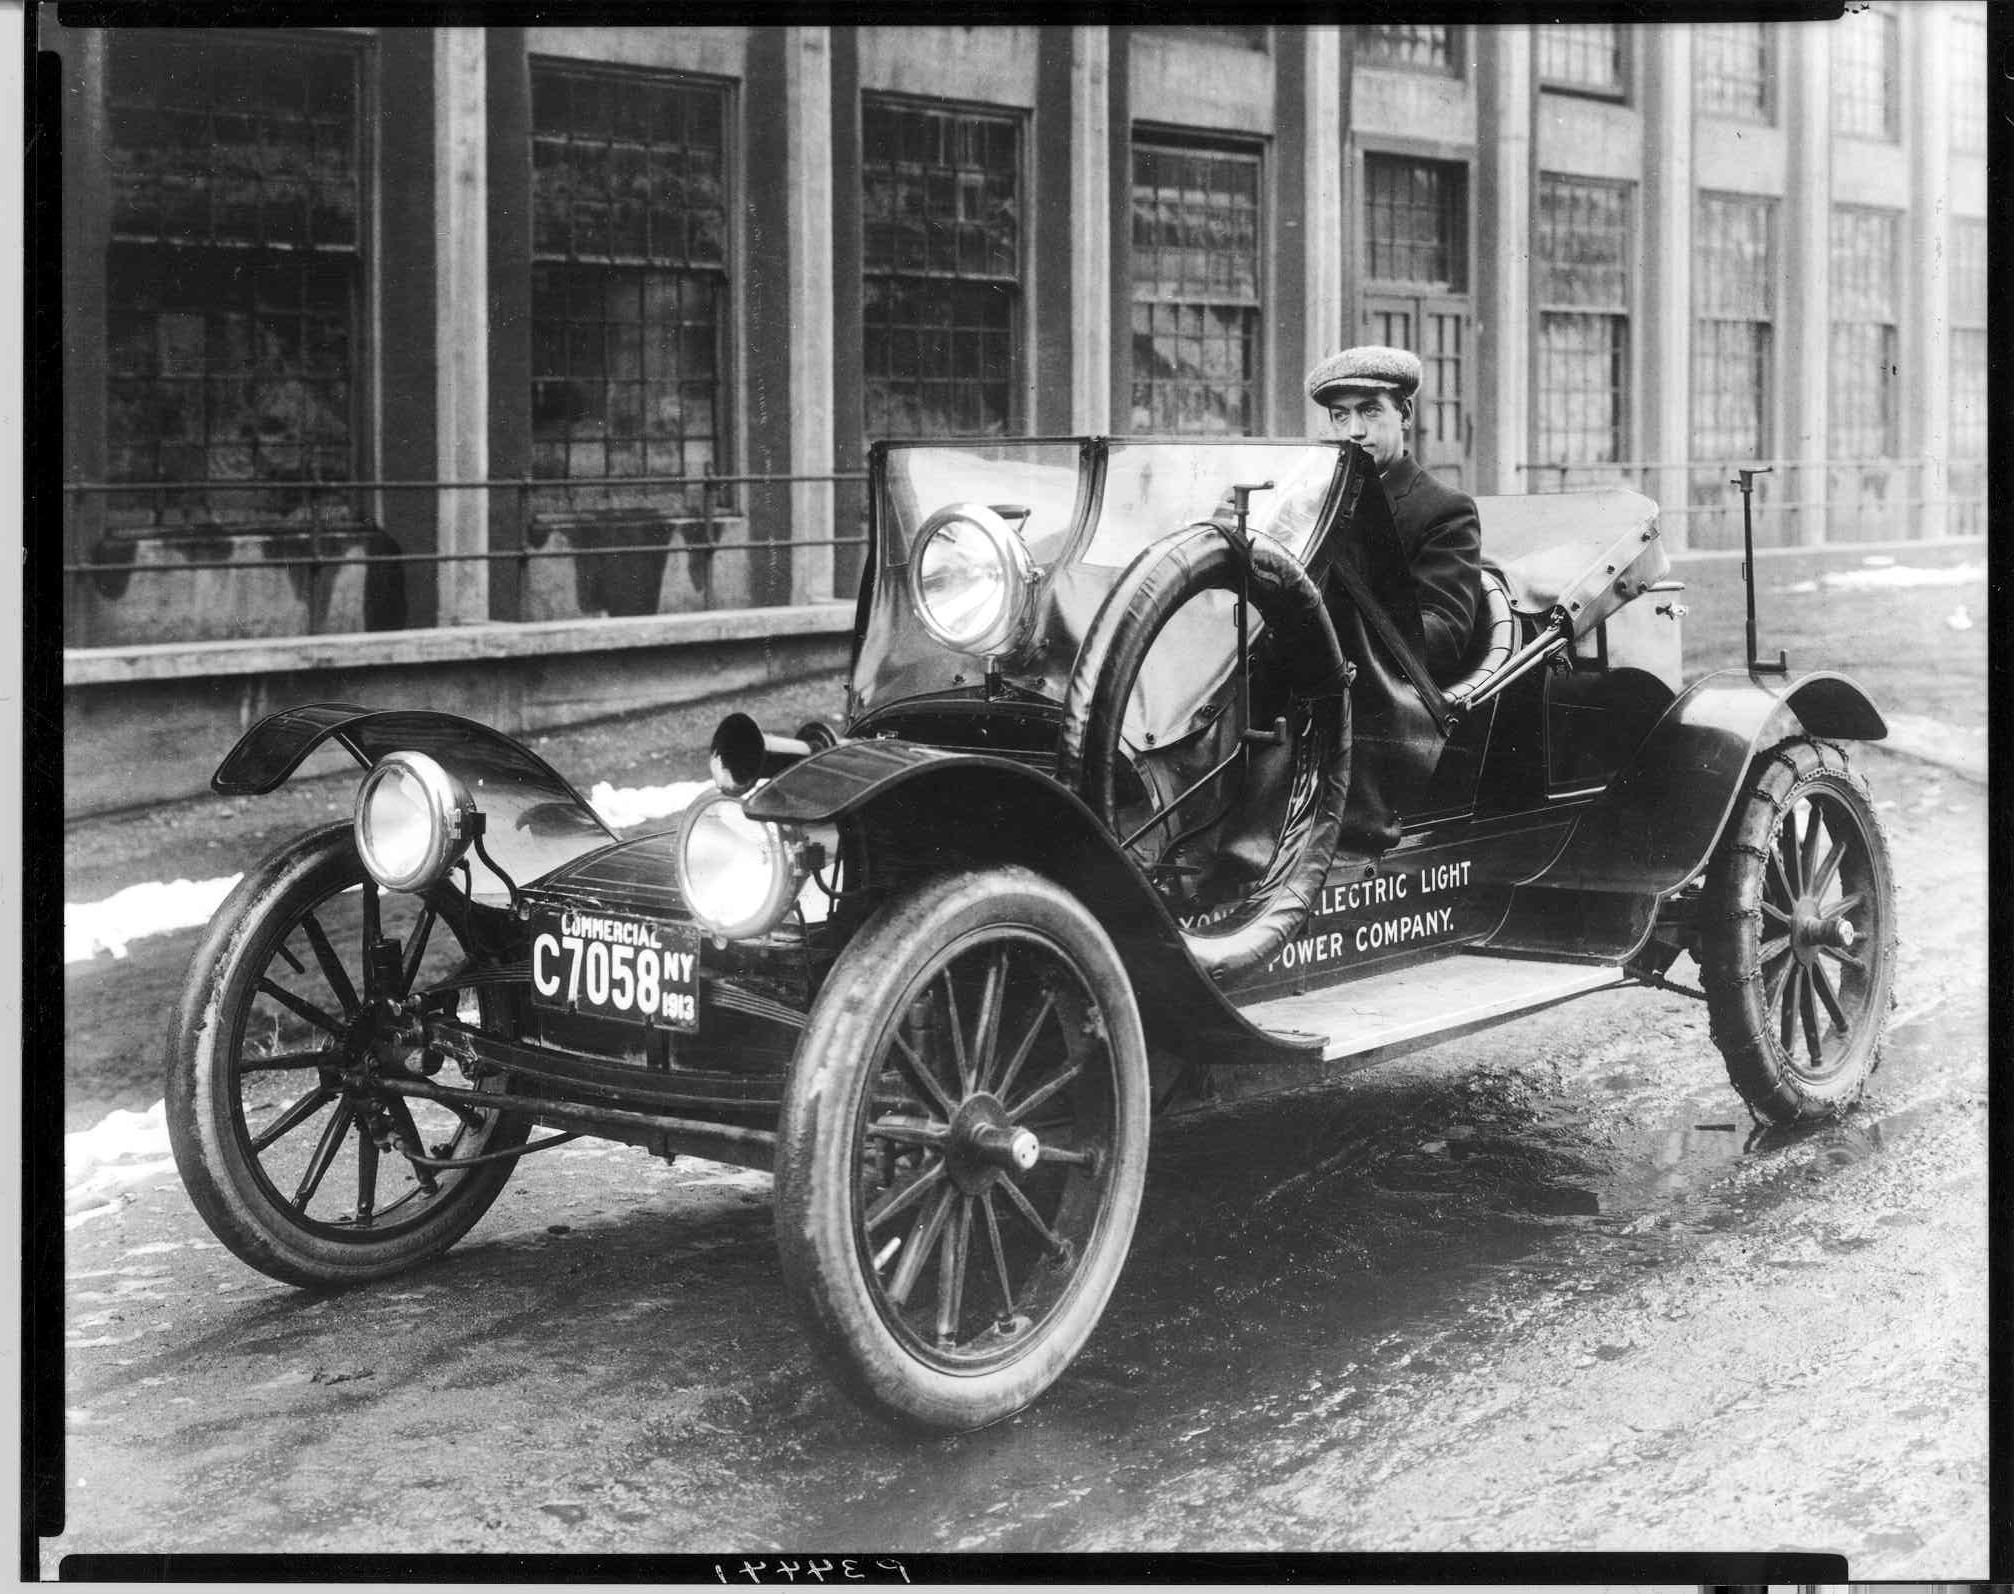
[
  {"x": 1742, "y": 1024},
  {"x": 1149, "y": 591},
  {"x": 214, "y": 1163},
  {"x": 864, "y": 995}
]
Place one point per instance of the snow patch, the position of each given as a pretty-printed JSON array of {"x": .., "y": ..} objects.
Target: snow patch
[
  {"x": 623, "y": 806},
  {"x": 151, "y": 908},
  {"x": 1881, "y": 574},
  {"x": 99, "y": 1163}
]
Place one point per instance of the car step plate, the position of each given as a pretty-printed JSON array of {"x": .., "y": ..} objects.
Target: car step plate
[{"x": 1427, "y": 1001}]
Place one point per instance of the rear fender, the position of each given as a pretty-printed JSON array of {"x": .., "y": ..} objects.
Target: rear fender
[
  {"x": 917, "y": 809},
  {"x": 536, "y": 821},
  {"x": 1655, "y": 825}
]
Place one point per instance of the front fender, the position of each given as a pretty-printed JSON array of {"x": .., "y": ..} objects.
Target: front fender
[
  {"x": 921, "y": 808},
  {"x": 1655, "y": 825},
  {"x": 536, "y": 820}
]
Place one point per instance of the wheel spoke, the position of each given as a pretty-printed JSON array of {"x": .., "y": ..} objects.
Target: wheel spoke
[
  {"x": 1791, "y": 981},
  {"x": 925, "y": 1081},
  {"x": 1822, "y": 983},
  {"x": 408, "y": 1136},
  {"x": 325, "y": 1153},
  {"x": 1070, "y": 1155},
  {"x": 999, "y": 1253},
  {"x": 1779, "y": 879},
  {"x": 1808, "y": 1006},
  {"x": 909, "y": 1134},
  {"x": 280, "y": 1062},
  {"x": 367, "y": 1175},
  {"x": 1843, "y": 956},
  {"x": 900, "y": 1201},
  {"x": 1807, "y": 863},
  {"x": 332, "y": 967},
  {"x": 302, "y": 1110},
  {"x": 1822, "y": 880},
  {"x": 1016, "y": 1114},
  {"x": 1050, "y": 1237},
  {"x": 1844, "y": 906},
  {"x": 986, "y": 1032},
  {"x": 287, "y": 953},
  {"x": 923, "y": 1236},
  {"x": 301, "y": 1007},
  {"x": 1026, "y": 1045},
  {"x": 957, "y": 1028},
  {"x": 951, "y": 1273},
  {"x": 1771, "y": 950},
  {"x": 1771, "y": 910},
  {"x": 416, "y": 946},
  {"x": 1786, "y": 847}
]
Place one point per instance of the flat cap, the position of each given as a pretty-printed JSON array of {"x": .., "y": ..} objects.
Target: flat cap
[{"x": 1373, "y": 365}]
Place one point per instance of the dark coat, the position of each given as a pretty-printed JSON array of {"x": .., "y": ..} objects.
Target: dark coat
[{"x": 1442, "y": 540}]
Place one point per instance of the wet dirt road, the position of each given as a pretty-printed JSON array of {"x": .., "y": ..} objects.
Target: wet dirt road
[{"x": 1538, "y": 1289}]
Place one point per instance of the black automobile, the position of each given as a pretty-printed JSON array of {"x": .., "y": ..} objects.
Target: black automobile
[{"x": 1080, "y": 851}]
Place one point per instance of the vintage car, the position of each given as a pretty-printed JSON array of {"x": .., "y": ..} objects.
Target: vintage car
[{"x": 1080, "y": 852}]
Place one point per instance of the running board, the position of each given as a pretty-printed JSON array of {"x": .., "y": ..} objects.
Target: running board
[{"x": 1428, "y": 1002}]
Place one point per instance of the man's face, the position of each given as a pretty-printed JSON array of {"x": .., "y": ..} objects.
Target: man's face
[{"x": 1372, "y": 418}]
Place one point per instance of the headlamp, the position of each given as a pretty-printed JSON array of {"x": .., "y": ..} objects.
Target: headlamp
[
  {"x": 971, "y": 581},
  {"x": 738, "y": 875},
  {"x": 413, "y": 820}
]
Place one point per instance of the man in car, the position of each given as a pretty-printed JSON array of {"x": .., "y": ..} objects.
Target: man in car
[{"x": 1368, "y": 393}]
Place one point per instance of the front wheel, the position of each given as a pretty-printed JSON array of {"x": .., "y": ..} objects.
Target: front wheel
[
  {"x": 1797, "y": 950},
  {"x": 296, "y": 1162},
  {"x": 962, "y": 1148}
]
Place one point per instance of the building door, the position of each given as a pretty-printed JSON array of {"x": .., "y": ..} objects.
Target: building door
[{"x": 1416, "y": 296}]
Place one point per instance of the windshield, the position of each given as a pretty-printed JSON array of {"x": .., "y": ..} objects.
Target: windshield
[{"x": 1091, "y": 506}]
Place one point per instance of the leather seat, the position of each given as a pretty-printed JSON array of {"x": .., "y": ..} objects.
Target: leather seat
[{"x": 1493, "y": 641}]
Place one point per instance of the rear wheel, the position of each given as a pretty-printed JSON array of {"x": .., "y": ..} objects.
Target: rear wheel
[
  {"x": 962, "y": 1148},
  {"x": 296, "y": 1163},
  {"x": 1797, "y": 950}
]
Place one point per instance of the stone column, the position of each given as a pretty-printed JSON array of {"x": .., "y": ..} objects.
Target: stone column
[
  {"x": 1325, "y": 236},
  {"x": 461, "y": 322},
  {"x": 1090, "y": 230},
  {"x": 1804, "y": 311},
  {"x": 807, "y": 74},
  {"x": 1925, "y": 276},
  {"x": 1504, "y": 111},
  {"x": 1667, "y": 257}
]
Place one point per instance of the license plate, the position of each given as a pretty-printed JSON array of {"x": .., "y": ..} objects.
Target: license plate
[{"x": 616, "y": 966}]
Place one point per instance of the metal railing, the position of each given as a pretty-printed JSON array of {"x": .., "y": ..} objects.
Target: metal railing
[
  {"x": 306, "y": 558},
  {"x": 1800, "y": 503}
]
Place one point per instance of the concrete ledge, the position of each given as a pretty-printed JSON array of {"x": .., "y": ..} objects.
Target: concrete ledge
[{"x": 357, "y": 650}]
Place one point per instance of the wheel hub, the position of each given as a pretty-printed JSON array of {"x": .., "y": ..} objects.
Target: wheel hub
[
  {"x": 1812, "y": 931},
  {"x": 984, "y": 1146}
]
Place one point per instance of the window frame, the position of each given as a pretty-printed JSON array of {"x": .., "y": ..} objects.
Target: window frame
[
  {"x": 1766, "y": 113},
  {"x": 1625, "y": 65},
  {"x": 1891, "y": 77},
  {"x": 1856, "y": 319},
  {"x": 1628, "y": 313},
  {"x": 195, "y": 513},
  {"x": 1969, "y": 134},
  {"x": 1167, "y": 139},
  {"x": 1369, "y": 36},
  {"x": 726, "y": 439},
  {"x": 1020, "y": 398}
]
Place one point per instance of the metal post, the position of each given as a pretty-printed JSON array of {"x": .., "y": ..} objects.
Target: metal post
[{"x": 1744, "y": 478}]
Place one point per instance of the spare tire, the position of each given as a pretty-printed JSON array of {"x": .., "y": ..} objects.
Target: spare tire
[{"x": 1303, "y": 803}]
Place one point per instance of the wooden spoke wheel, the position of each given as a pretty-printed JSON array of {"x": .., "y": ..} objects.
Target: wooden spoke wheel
[
  {"x": 1798, "y": 935},
  {"x": 962, "y": 1148},
  {"x": 297, "y": 1159}
]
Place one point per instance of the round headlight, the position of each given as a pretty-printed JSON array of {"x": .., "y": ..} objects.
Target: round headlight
[
  {"x": 971, "y": 580},
  {"x": 412, "y": 821},
  {"x": 738, "y": 875}
]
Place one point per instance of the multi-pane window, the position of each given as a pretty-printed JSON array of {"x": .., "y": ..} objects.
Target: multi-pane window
[
  {"x": 1865, "y": 75},
  {"x": 1584, "y": 56},
  {"x": 1734, "y": 71},
  {"x": 629, "y": 285},
  {"x": 1414, "y": 220},
  {"x": 1968, "y": 375},
  {"x": 1413, "y": 46},
  {"x": 1196, "y": 290},
  {"x": 1968, "y": 84},
  {"x": 1581, "y": 254},
  {"x": 1734, "y": 281},
  {"x": 1863, "y": 376},
  {"x": 233, "y": 276},
  {"x": 942, "y": 269}
]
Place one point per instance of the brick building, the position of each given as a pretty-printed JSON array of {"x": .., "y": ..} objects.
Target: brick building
[{"x": 535, "y": 292}]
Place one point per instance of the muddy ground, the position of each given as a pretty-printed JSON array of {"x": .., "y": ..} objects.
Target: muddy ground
[{"x": 1543, "y": 1288}]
